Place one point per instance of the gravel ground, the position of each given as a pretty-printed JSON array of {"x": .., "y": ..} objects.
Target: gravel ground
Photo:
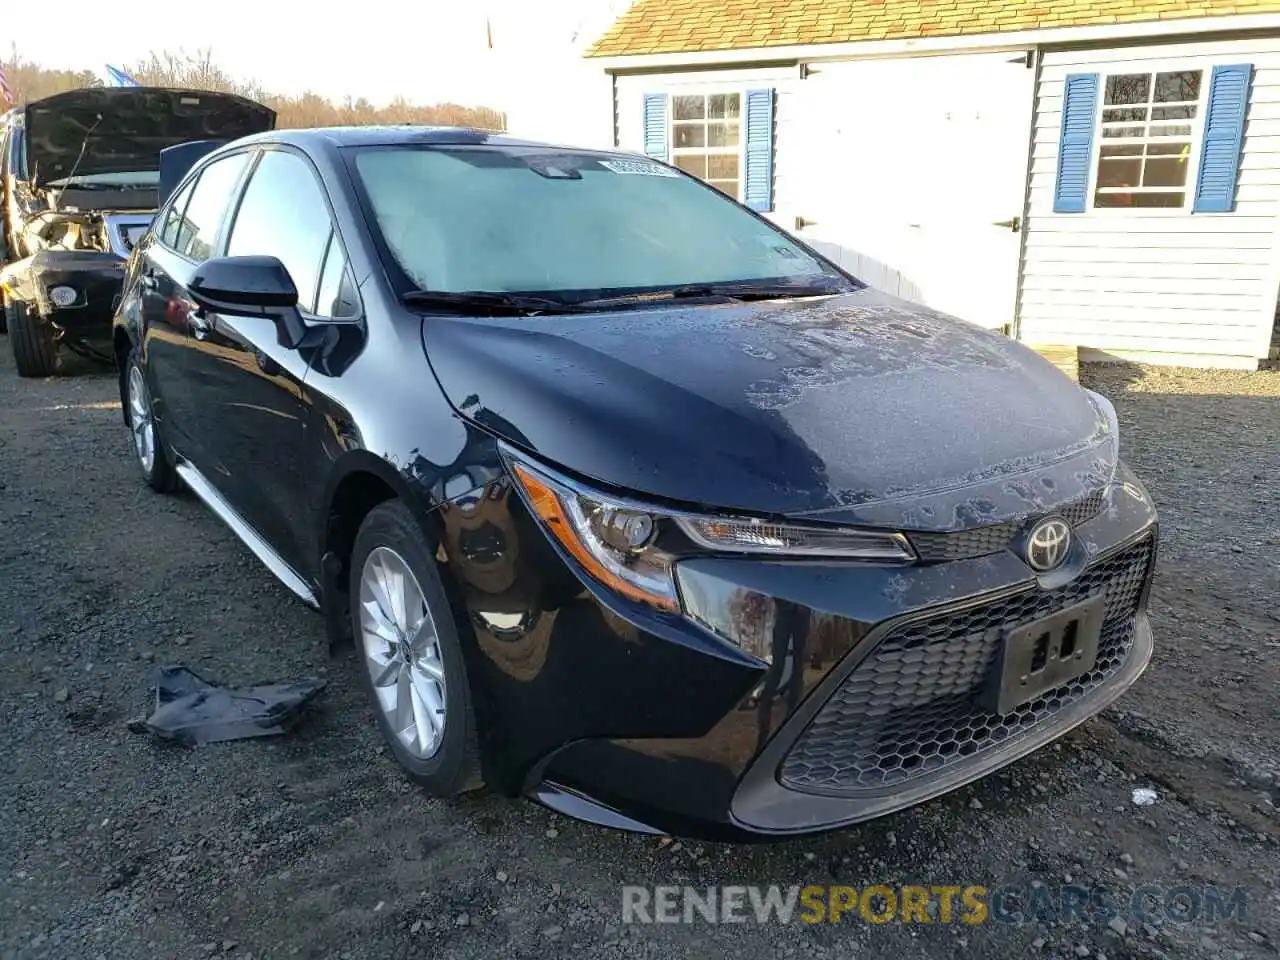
[{"x": 312, "y": 845}]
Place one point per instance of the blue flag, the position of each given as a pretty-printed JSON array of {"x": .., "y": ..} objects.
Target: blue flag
[{"x": 119, "y": 78}]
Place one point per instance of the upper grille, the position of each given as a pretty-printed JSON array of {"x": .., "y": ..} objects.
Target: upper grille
[
  {"x": 981, "y": 541},
  {"x": 908, "y": 710}
]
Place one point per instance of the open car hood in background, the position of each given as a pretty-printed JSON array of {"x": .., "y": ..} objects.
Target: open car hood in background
[{"x": 127, "y": 127}]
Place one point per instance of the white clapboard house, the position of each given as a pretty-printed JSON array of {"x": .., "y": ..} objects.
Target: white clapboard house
[{"x": 1103, "y": 175}]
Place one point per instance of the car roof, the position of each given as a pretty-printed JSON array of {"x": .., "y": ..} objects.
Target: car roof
[{"x": 322, "y": 138}]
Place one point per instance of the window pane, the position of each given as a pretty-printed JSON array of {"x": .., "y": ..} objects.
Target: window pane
[
  {"x": 723, "y": 167},
  {"x": 209, "y": 204},
  {"x": 1165, "y": 172},
  {"x": 1124, "y": 131},
  {"x": 1123, "y": 150},
  {"x": 690, "y": 135},
  {"x": 1173, "y": 113},
  {"x": 479, "y": 218},
  {"x": 337, "y": 292},
  {"x": 1138, "y": 199},
  {"x": 1124, "y": 113},
  {"x": 1119, "y": 173},
  {"x": 1129, "y": 88},
  {"x": 690, "y": 108},
  {"x": 729, "y": 187},
  {"x": 1164, "y": 149},
  {"x": 1178, "y": 131},
  {"x": 284, "y": 215},
  {"x": 173, "y": 217},
  {"x": 723, "y": 106},
  {"x": 1184, "y": 85},
  {"x": 695, "y": 164},
  {"x": 722, "y": 134}
]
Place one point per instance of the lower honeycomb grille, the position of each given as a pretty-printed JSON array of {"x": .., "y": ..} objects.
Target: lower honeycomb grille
[{"x": 909, "y": 709}]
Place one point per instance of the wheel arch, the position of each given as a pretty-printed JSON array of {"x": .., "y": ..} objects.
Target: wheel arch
[{"x": 360, "y": 482}]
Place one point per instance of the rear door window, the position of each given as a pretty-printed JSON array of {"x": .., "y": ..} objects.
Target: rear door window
[
  {"x": 202, "y": 220},
  {"x": 284, "y": 215},
  {"x": 337, "y": 296},
  {"x": 171, "y": 227}
]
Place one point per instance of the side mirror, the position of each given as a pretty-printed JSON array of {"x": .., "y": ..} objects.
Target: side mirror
[{"x": 254, "y": 286}]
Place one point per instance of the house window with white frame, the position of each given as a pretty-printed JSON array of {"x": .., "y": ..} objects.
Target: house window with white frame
[
  {"x": 706, "y": 138},
  {"x": 1148, "y": 127}
]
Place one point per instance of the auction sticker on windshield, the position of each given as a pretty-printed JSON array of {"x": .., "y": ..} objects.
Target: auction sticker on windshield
[{"x": 639, "y": 167}]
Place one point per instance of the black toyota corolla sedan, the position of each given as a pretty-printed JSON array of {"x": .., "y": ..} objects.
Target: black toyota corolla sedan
[{"x": 631, "y": 502}]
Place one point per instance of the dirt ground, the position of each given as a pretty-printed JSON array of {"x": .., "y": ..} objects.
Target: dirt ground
[{"x": 312, "y": 845}]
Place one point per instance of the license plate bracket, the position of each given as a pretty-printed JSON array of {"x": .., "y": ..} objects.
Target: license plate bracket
[{"x": 1036, "y": 657}]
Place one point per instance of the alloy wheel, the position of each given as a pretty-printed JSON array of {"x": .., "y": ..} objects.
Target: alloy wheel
[
  {"x": 402, "y": 652},
  {"x": 141, "y": 421}
]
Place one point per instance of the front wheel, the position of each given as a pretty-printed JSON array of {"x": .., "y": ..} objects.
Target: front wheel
[
  {"x": 35, "y": 351},
  {"x": 152, "y": 458},
  {"x": 412, "y": 662}
]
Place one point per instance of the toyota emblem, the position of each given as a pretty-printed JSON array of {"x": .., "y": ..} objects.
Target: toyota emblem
[{"x": 1048, "y": 544}]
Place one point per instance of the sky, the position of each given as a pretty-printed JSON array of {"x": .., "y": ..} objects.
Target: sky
[{"x": 430, "y": 51}]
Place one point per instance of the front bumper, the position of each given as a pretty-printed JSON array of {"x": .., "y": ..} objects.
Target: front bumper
[{"x": 614, "y": 713}]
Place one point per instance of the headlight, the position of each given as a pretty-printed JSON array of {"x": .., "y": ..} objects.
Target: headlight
[
  {"x": 632, "y": 547},
  {"x": 604, "y": 536},
  {"x": 762, "y": 536}
]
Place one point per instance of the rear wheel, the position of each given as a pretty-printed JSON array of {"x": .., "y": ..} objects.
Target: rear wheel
[
  {"x": 35, "y": 352},
  {"x": 412, "y": 663},
  {"x": 153, "y": 460}
]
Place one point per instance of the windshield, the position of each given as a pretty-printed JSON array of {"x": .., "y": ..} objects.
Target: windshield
[
  {"x": 128, "y": 178},
  {"x": 506, "y": 220}
]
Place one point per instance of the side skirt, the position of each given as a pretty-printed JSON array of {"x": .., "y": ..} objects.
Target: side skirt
[{"x": 206, "y": 491}]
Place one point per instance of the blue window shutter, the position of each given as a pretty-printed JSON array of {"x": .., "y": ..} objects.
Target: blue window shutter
[
  {"x": 1223, "y": 134},
  {"x": 655, "y": 125},
  {"x": 757, "y": 191},
  {"x": 1075, "y": 149}
]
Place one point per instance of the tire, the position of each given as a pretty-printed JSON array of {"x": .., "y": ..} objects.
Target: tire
[
  {"x": 148, "y": 449},
  {"x": 449, "y": 763},
  {"x": 35, "y": 352}
]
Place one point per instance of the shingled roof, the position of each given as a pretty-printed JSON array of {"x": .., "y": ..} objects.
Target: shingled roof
[{"x": 687, "y": 26}]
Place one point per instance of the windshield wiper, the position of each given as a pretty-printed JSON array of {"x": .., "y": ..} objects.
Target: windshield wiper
[
  {"x": 731, "y": 291},
  {"x": 485, "y": 302}
]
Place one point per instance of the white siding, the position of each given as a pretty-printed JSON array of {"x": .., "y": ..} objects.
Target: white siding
[
  {"x": 1131, "y": 282},
  {"x": 857, "y": 155},
  {"x": 629, "y": 104}
]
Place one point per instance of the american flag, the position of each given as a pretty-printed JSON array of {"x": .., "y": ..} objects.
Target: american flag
[{"x": 6, "y": 91}]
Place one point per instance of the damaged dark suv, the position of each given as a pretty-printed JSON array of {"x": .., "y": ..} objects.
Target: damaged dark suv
[{"x": 79, "y": 174}]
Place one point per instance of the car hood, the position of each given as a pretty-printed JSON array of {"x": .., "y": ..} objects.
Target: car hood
[
  {"x": 125, "y": 128},
  {"x": 857, "y": 408}
]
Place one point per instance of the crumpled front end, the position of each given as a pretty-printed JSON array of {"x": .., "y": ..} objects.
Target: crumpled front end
[{"x": 74, "y": 291}]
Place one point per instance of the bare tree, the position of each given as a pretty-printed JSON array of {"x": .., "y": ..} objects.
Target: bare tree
[{"x": 198, "y": 71}]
